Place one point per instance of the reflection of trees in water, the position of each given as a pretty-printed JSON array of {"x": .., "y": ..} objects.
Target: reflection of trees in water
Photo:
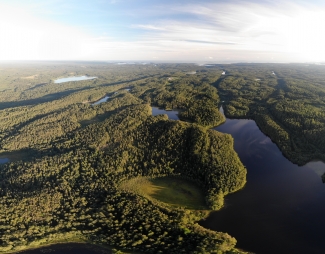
[{"x": 68, "y": 248}]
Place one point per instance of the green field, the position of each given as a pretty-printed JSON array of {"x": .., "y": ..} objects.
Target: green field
[{"x": 174, "y": 191}]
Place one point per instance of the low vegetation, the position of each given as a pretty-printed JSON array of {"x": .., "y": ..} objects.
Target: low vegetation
[{"x": 173, "y": 191}]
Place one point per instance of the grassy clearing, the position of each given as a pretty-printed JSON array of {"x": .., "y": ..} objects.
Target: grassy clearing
[{"x": 174, "y": 191}]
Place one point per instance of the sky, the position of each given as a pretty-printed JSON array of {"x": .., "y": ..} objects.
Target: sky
[{"x": 167, "y": 30}]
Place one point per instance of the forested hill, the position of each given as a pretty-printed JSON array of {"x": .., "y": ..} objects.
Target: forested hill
[
  {"x": 286, "y": 101},
  {"x": 69, "y": 157}
]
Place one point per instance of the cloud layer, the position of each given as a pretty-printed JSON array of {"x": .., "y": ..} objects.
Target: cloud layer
[{"x": 233, "y": 31}]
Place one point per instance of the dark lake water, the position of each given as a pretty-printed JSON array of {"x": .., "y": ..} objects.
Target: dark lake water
[
  {"x": 172, "y": 114},
  {"x": 4, "y": 160},
  {"x": 68, "y": 79},
  {"x": 100, "y": 101},
  {"x": 69, "y": 248},
  {"x": 282, "y": 207}
]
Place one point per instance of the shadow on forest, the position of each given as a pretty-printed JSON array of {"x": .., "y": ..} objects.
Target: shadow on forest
[
  {"x": 17, "y": 127},
  {"x": 46, "y": 98},
  {"x": 58, "y": 95},
  {"x": 37, "y": 86}
]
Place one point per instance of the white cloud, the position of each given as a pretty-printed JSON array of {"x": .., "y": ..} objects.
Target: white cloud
[
  {"x": 25, "y": 37},
  {"x": 284, "y": 32},
  {"x": 149, "y": 27},
  {"x": 230, "y": 31}
]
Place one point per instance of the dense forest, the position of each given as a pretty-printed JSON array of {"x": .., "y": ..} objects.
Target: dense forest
[
  {"x": 68, "y": 157},
  {"x": 286, "y": 101}
]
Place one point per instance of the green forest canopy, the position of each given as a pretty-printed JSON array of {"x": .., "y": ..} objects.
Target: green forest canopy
[{"x": 69, "y": 157}]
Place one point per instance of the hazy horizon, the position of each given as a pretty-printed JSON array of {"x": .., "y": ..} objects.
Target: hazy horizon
[{"x": 163, "y": 31}]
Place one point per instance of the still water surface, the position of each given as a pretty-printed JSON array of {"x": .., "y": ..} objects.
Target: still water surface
[
  {"x": 69, "y": 248},
  {"x": 282, "y": 207},
  {"x": 4, "y": 160},
  {"x": 68, "y": 79},
  {"x": 172, "y": 114},
  {"x": 100, "y": 101}
]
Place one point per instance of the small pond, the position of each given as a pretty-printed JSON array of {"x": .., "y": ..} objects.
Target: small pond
[
  {"x": 282, "y": 207},
  {"x": 172, "y": 114},
  {"x": 68, "y": 79},
  {"x": 4, "y": 160},
  {"x": 100, "y": 101}
]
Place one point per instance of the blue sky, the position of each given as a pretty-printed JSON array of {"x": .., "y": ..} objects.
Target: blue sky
[{"x": 175, "y": 31}]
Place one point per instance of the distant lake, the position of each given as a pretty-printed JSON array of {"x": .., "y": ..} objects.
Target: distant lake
[
  {"x": 4, "y": 160},
  {"x": 100, "y": 101},
  {"x": 172, "y": 114},
  {"x": 68, "y": 79},
  {"x": 281, "y": 209}
]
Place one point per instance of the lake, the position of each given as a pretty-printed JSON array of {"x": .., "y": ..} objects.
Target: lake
[
  {"x": 68, "y": 79},
  {"x": 172, "y": 114},
  {"x": 4, "y": 160},
  {"x": 100, "y": 101},
  {"x": 282, "y": 207}
]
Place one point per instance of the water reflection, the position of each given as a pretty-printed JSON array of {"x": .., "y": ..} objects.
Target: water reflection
[
  {"x": 281, "y": 209},
  {"x": 68, "y": 79},
  {"x": 172, "y": 114},
  {"x": 100, "y": 101},
  {"x": 4, "y": 160},
  {"x": 68, "y": 248},
  {"x": 317, "y": 166}
]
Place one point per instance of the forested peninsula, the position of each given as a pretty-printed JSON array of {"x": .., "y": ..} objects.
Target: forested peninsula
[
  {"x": 75, "y": 168},
  {"x": 286, "y": 101}
]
